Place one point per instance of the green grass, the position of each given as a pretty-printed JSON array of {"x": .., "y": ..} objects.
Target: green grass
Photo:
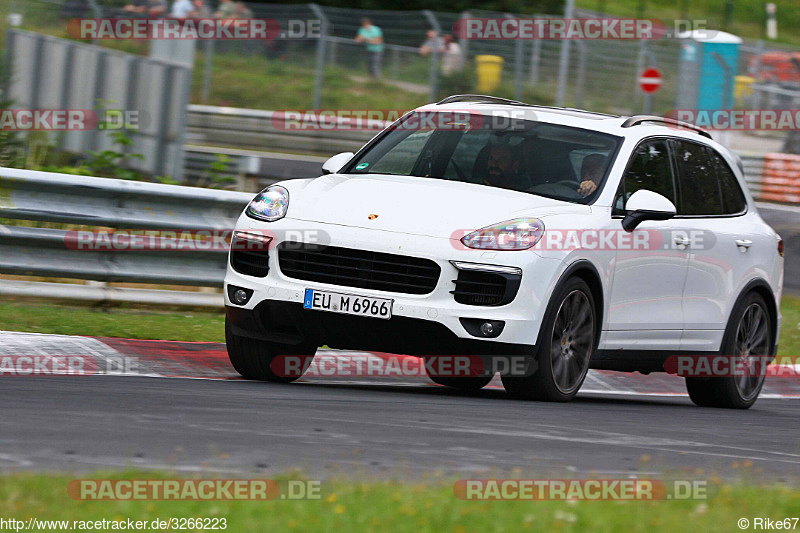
[
  {"x": 260, "y": 83},
  {"x": 412, "y": 507},
  {"x": 208, "y": 326},
  {"x": 113, "y": 322},
  {"x": 790, "y": 328}
]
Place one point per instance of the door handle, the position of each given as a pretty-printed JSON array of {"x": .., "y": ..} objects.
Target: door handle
[
  {"x": 682, "y": 241},
  {"x": 744, "y": 243}
]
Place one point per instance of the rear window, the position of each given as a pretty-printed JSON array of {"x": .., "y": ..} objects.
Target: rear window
[{"x": 733, "y": 200}]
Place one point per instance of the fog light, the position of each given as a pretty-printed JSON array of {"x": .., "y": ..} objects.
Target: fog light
[
  {"x": 239, "y": 295},
  {"x": 482, "y": 328}
]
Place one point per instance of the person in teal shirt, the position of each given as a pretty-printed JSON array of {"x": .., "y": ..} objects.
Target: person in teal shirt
[{"x": 373, "y": 36}]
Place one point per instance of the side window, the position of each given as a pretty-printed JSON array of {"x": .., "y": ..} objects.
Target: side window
[
  {"x": 700, "y": 194},
  {"x": 733, "y": 201},
  {"x": 649, "y": 168}
]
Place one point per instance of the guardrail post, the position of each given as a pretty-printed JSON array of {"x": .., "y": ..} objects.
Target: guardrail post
[
  {"x": 319, "y": 72},
  {"x": 434, "y": 73},
  {"x": 536, "y": 55},
  {"x": 464, "y": 42},
  {"x": 99, "y": 81},
  {"x": 208, "y": 66},
  {"x": 519, "y": 52},
  {"x": 395, "y": 69},
  {"x": 580, "y": 82},
  {"x": 563, "y": 60}
]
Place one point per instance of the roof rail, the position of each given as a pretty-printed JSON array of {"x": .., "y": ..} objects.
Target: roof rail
[
  {"x": 479, "y": 98},
  {"x": 641, "y": 119}
]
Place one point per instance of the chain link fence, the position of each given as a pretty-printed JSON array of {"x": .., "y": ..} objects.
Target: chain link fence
[{"x": 316, "y": 63}]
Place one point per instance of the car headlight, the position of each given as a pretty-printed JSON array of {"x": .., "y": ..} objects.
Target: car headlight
[
  {"x": 270, "y": 204},
  {"x": 517, "y": 234}
]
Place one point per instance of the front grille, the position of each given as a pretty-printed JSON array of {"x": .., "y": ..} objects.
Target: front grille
[
  {"x": 358, "y": 268},
  {"x": 474, "y": 287},
  {"x": 250, "y": 255}
]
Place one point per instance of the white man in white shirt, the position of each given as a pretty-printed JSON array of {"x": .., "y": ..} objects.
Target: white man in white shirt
[{"x": 181, "y": 9}]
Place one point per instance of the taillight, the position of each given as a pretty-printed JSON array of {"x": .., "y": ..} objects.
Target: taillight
[{"x": 780, "y": 246}]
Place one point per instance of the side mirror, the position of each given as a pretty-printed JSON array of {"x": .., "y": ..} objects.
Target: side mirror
[
  {"x": 336, "y": 163},
  {"x": 646, "y": 205}
]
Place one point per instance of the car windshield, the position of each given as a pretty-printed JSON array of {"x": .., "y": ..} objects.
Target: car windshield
[{"x": 556, "y": 161}]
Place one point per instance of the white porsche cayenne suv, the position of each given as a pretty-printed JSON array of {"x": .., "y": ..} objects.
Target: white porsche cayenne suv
[{"x": 490, "y": 227}]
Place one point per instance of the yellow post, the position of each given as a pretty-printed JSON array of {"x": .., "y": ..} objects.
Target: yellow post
[
  {"x": 742, "y": 87},
  {"x": 489, "y": 70}
]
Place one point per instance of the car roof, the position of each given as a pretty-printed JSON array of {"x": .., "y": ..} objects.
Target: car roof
[{"x": 636, "y": 127}]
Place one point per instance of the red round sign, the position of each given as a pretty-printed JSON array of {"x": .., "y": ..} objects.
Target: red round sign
[{"x": 650, "y": 80}]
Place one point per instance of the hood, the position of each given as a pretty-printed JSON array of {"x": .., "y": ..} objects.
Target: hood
[{"x": 413, "y": 205}]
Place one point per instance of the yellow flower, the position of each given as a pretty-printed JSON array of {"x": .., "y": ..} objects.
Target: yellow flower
[{"x": 339, "y": 509}]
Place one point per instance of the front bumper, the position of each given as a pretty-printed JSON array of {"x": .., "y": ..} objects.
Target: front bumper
[{"x": 436, "y": 314}]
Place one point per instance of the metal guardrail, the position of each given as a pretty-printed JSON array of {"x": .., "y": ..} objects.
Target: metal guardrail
[
  {"x": 107, "y": 203},
  {"x": 259, "y": 168},
  {"x": 51, "y": 197},
  {"x": 260, "y": 129}
]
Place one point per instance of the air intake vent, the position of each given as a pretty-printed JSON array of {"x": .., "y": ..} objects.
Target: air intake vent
[
  {"x": 358, "y": 268},
  {"x": 250, "y": 254},
  {"x": 479, "y": 287}
]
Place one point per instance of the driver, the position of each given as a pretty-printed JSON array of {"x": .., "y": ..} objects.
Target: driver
[
  {"x": 502, "y": 167},
  {"x": 591, "y": 173}
]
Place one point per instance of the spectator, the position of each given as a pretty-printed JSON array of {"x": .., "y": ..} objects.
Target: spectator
[
  {"x": 433, "y": 43},
  {"x": 453, "y": 59},
  {"x": 227, "y": 9},
  {"x": 181, "y": 9},
  {"x": 201, "y": 10},
  {"x": 242, "y": 11},
  {"x": 151, "y": 8},
  {"x": 373, "y": 37}
]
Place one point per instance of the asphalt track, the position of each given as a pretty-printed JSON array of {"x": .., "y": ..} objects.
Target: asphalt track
[
  {"x": 184, "y": 410},
  {"x": 622, "y": 425}
]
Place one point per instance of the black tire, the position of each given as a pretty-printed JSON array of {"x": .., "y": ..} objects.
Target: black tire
[
  {"x": 570, "y": 357},
  {"x": 252, "y": 358},
  {"x": 737, "y": 392},
  {"x": 463, "y": 383}
]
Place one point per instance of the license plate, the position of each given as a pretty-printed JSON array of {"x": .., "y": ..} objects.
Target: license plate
[{"x": 348, "y": 304}]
